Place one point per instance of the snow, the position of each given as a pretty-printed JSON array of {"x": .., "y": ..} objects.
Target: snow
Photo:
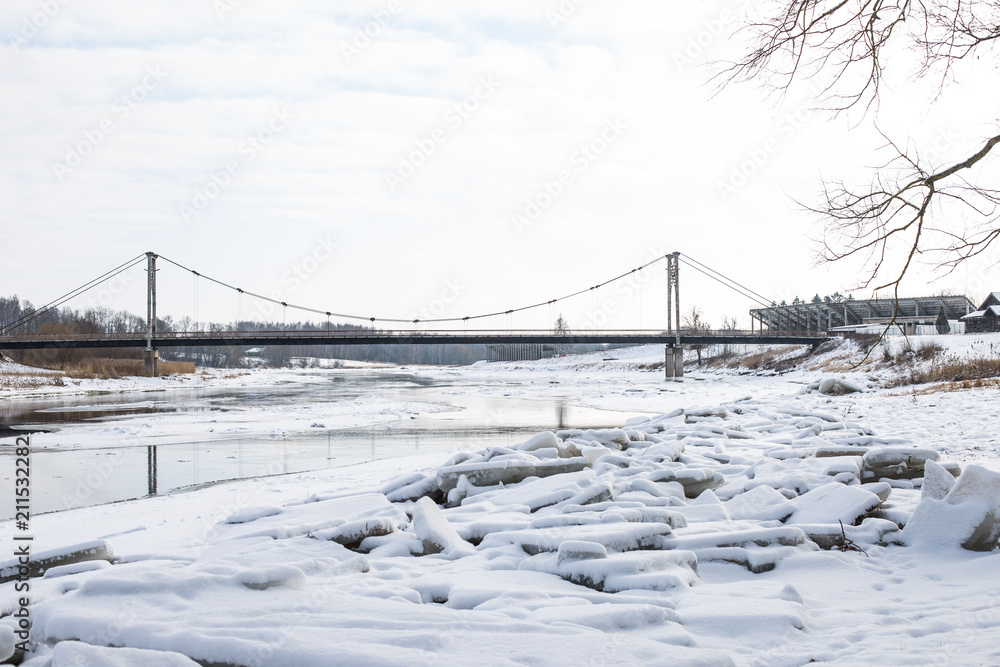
[
  {"x": 734, "y": 523},
  {"x": 78, "y": 654},
  {"x": 968, "y": 515},
  {"x": 8, "y": 641}
]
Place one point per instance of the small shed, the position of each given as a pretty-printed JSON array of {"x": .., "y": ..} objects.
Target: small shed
[{"x": 986, "y": 318}]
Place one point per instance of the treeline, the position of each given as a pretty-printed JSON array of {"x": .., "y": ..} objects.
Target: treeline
[
  {"x": 107, "y": 321},
  {"x": 836, "y": 297},
  {"x": 282, "y": 355}
]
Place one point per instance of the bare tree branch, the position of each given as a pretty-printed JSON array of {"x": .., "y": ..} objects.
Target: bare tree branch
[
  {"x": 910, "y": 209},
  {"x": 896, "y": 208}
]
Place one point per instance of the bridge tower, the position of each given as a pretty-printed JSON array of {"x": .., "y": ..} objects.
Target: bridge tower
[
  {"x": 152, "y": 355},
  {"x": 674, "y": 353}
]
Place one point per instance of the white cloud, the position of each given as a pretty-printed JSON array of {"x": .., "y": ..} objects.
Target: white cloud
[{"x": 353, "y": 119}]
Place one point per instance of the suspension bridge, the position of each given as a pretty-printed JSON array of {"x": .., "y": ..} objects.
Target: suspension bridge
[{"x": 395, "y": 331}]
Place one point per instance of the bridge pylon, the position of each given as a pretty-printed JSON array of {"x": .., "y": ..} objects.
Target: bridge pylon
[
  {"x": 674, "y": 352},
  {"x": 152, "y": 355}
]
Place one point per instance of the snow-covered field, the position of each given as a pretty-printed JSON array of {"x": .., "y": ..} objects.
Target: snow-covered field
[{"x": 706, "y": 533}]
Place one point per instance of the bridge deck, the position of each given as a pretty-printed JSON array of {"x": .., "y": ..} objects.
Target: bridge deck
[{"x": 368, "y": 337}]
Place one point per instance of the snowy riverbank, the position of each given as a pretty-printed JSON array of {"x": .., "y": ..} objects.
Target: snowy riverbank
[{"x": 707, "y": 533}]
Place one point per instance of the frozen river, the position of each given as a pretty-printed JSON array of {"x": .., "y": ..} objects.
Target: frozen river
[{"x": 64, "y": 477}]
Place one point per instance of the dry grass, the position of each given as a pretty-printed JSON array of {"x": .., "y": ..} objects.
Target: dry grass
[
  {"x": 922, "y": 351},
  {"x": 91, "y": 369},
  {"x": 112, "y": 369},
  {"x": 774, "y": 359},
  {"x": 842, "y": 363},
  {"x": 945, "y": 387},
  {"x": 20, "y": 380},
  {"x": 952, "y": 371}
]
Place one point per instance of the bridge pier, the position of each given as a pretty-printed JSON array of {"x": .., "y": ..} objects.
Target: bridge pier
[
  {"x": 674, "y": 362},
  {"x": 152, "y": 358}
]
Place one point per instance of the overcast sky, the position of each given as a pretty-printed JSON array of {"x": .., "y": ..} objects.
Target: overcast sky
[{"x": 417, "y": 158}]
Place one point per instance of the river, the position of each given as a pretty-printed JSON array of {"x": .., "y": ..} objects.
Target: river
[{"x": 66, "y": 478}]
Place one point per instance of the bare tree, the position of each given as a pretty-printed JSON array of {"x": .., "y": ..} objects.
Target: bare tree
[
  {"x": 728, "y": 324},
  {"x": 694, "y": 322},
  {"x": 912, "y": 207}
]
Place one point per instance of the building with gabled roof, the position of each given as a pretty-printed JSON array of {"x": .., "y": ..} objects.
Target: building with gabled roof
[{"x": 986, "y": 318}]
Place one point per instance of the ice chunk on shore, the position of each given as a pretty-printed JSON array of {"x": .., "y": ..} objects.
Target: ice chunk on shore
[
  {"x": 834, "y": 503},
  {"x": 42, "y": 561},
  {"x": 649, "y": 570},
  {"x": 543, "y": 440},
  {"x": 505, "y": 471},
  {"x": 581, "y": 550},
  {"x": 613, "y": 536},
  {"x": 761, "y": 503},
  {"x": 433, "y": 529},
  {"x": 80, "y": 654},
  {"x": 937, "y": 481},
  {"x": 968, "y": 516}
]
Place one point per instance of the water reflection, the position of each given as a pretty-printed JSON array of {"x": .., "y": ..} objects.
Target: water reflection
[{"x": 151, "y": 469}]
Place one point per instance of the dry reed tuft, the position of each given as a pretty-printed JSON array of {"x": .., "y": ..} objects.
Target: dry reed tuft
[
  {"x": 951, "y": 370},
  {"x": 105, "y": 369}
]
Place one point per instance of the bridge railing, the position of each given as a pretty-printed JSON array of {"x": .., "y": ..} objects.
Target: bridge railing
[{"x": 485, "y": 334}]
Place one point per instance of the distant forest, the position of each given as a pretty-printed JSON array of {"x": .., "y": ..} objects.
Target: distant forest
[{"x": 107, "y": 321}]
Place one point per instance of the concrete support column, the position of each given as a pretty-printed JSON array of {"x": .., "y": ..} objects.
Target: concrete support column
[
  {"x": 674, "y": 362},
  {"x": 152, "y": 359}
]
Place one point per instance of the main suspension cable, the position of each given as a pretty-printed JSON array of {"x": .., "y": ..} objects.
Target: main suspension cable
[{"x": 350, "y": 316}]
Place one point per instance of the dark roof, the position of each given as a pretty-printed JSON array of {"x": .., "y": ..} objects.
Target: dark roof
[
  {"x": 993, "y": 310},
  {"x": 994, "y": 297}
]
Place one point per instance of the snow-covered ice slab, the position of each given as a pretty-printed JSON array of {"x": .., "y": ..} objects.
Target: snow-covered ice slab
[
  {"x": 613, "y": 536},
  {"x": 494, "y": 472},
  {"x": 616, "y": 572},
  {"x": 310, "y": 517},
  {"x": 79, "y": 654},
  {"x": 537, "y": 493},
  {"x": 40, "y": 562},
  {"x": 897, "y": 462},
  {"x": 969, "y": 515},
  {"x": 435, "y": 532},
  {"x": 834, "y": 503}
]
